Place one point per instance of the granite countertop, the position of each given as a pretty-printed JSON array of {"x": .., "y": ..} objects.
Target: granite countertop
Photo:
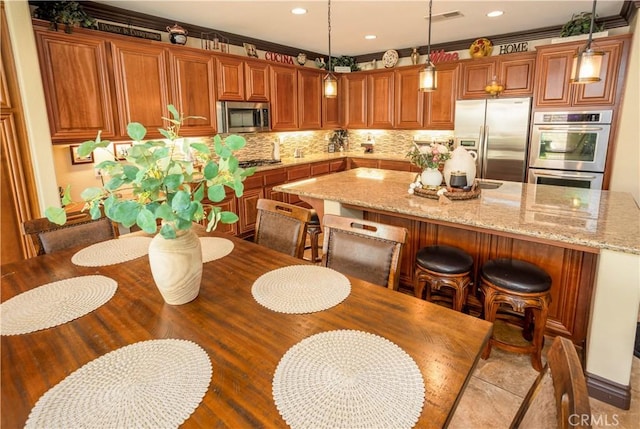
[
  {"x": 325, "y": 156},
  {"x": 581, "y": 217}
]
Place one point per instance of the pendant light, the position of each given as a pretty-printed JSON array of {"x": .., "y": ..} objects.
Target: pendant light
[
  {"x": 587, "y": 62},
  {"x": 330, "y": 83},
  {"x": 428, "y": 76}
]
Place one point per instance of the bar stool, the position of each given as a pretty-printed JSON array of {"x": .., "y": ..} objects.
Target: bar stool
[
  {"x": 443, "y": 266},
  {"x": 313, "y": 231},
  {"x": 524, "y": 287}
]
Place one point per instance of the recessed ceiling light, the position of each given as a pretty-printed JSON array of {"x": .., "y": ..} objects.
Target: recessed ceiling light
[
  {"x": 298, "y": 11},
  {"x": 370, "y": 36},
  {"x": 495, "y": 13}
]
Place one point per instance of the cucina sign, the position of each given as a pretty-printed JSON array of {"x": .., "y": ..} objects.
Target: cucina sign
[{"x": 279, "y": 58}]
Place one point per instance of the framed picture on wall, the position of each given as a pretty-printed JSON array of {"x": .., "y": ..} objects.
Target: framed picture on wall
[
  {"x": 77, "y": 159},
  {"x": 121, "y": 150}
]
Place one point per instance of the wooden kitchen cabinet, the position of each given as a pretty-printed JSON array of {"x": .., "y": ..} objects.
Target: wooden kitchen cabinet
[
  {"x": 193, "y": 90},
  {"x": 309, "y": 99},
  {"x": 515, "y": 72},
  {"x": 354, "y": 100},
  {"x": 409, "y": 100},
  {"x": 380, "y": 99},
  {"x": 242, "y": 80},
  {"x": 141, "y": 82},
  {"x": 298, "y": 172},
  {"x": 440, "y": 105},
  {"x": 77, "y": 86},
  {"x": 256, "y": 84},
  {"x": 554, "y": 63},
  {"x": 248, "y": 203},
  {"x": 284, "y": 98},
  {"x": 230, "y": 78}
]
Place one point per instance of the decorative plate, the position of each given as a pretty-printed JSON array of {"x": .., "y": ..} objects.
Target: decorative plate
[{"x": 390, "y": 58}]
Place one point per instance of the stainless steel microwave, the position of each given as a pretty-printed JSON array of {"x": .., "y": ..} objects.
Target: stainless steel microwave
[{"x": 243, "y": 117}]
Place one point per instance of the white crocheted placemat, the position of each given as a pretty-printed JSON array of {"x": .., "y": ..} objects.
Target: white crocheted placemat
[
  {"x": 112, "y": 252},
  {"x": 54, "y": 303},
  {"x": 150, "y": 384},
  {"x": 301, "y": 289},
  {"x": 348, "y": 379},
  {"x": 215, "y": 248}
]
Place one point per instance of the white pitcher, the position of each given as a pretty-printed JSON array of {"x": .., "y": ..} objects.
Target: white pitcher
[{"x": 461, "y": 160}]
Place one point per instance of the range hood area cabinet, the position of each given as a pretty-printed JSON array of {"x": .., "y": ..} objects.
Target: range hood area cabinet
[
  {"x": 554, "y": 63},
  {"x": 242, "y": 80},
  {"x": 514, "y": 71}
]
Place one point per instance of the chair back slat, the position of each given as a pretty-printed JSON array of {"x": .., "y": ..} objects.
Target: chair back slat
[
  {"x": 48, "y": 237},
  {"x": 282, "y": 227},
  {"x": 368, "y": 250},
  {"x": 559, "y": 396}
]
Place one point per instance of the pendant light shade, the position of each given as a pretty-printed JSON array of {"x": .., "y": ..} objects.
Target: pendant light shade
[
  {"x": 428, "y": 77},
  {"x": 330, "y": 83},
  {"x": 587, "y": 62}
]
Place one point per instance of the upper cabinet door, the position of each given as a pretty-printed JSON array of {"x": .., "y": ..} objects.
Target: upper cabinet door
[
  {"x": 553, "y": 71},
  {"x": 409, "y": 102},
  {"x": 230, "y": 78},
  {"x": 140, "y": 73},
  {"x": 474, "y": 76},
  {"x": 380, "y": 99},
  {"x": 284, "y": 98},
  {"x": 193, "y": 91},
  {"x": 516, "y": 73},
  {"x": 309, "y": 99},
  {"x": 256, "y": 81},
  {"x": 441, "y": 103},
  {"x": 76, "y": 84},
  {"x": 355, "y": 100}
]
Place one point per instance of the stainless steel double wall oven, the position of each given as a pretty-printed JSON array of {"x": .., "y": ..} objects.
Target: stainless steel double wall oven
[{"x": 569, "y": 148}]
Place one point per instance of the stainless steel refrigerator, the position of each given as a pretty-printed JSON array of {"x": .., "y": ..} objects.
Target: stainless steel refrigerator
[{"x": 498, "y": 131}]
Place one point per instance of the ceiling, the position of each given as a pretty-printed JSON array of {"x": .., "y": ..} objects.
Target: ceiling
[{"x": 397, "y": 24}]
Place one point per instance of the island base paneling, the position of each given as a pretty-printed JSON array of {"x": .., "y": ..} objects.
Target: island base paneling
[{"x": 572, "y": 271}]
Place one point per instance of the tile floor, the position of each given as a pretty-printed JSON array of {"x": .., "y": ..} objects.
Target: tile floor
[{"x": 500, "y": 383}]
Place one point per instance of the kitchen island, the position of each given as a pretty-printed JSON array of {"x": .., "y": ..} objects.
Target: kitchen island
[{"x": 588, "y": 241}]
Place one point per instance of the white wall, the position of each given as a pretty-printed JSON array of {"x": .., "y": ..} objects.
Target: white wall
[
  {"x": 33, "y": 102},
  {"x": 626, "y": 162}
]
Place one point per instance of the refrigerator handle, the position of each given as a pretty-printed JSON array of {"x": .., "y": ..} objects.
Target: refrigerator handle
[{"x": 485, "y": 138}]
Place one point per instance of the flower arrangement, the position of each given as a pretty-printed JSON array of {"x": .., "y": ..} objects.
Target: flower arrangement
[
  {"x": 169, "y": 180},
  {"x": 429, "y": 156}
]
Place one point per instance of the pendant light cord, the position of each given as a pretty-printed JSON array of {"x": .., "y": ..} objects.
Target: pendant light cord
[
  {"x": 429, "y": 40},
  {"x": 593, "y": 17},
  {"x": 329, "y": 26}
]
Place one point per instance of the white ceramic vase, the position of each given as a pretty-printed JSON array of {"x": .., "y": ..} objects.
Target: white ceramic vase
[
  {"x": 431, "y": 177},
  {"x": 176, "y": 266}
]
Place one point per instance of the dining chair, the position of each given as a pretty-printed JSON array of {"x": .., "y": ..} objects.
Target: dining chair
[
  {"x": 368, "y": 250},
  {"x": 48, "y": 237},
  {"x": 282, "y": 227},
  {"x": 558, "y": 397}
]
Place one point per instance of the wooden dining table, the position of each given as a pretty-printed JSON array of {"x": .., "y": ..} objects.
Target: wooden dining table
[{"x": 244, "y": 340}]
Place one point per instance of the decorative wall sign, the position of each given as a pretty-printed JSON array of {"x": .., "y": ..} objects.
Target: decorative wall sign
[
  {"x": 251, "y": 50},
  {"x": 441, "y": 56},
  {"x": 77, "y": 159},
  {"x": 128, "y": 31},
  {"x": 279, "y": 58},
  {"x": 511, "y": 48}
]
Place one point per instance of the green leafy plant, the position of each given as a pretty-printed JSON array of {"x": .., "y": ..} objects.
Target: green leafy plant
[
  {"x": 580, "y": 23},
  {"x": 345, "y": 61},
  {"x": 69, "y": 13},
  {"x": 165, "y": 180}
]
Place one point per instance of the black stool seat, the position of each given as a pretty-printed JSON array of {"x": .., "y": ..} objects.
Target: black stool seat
[
  {"x": 444, "y": 259},
  {"x": 518, "y": 276}
]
